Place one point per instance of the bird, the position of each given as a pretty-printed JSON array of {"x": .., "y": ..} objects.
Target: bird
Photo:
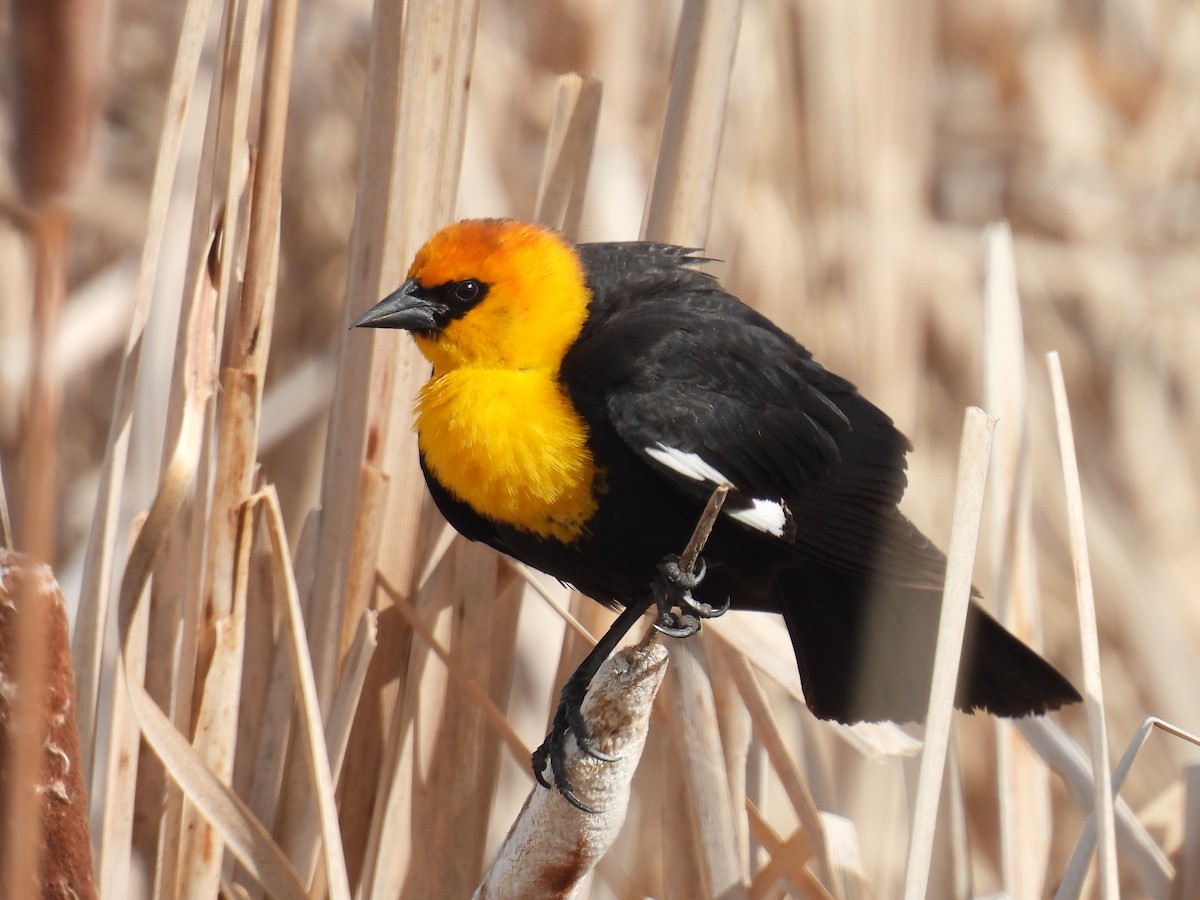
[{"x": 585, "y": 403}]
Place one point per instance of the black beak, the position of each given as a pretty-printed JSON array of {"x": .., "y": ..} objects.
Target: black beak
[{"x": 406, "y": 308}]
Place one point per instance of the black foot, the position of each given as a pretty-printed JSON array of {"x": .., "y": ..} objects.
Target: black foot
[
  {"x": 673, "y": 590},
  {"x": 568, "y": 718}
]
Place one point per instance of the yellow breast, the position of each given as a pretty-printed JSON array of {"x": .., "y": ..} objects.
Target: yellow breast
[{"x": 509, "y": 443}]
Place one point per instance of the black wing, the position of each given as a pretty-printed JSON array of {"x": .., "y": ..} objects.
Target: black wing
[{"x": 707, "y": 390}]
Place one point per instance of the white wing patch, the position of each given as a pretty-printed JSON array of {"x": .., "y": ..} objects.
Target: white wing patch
[
  {"x": 770, "y": 516},
  {"x": 689, "y": 465}
]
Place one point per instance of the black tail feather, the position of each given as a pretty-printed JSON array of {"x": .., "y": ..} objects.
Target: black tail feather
[{"x": 865, "y": 652}]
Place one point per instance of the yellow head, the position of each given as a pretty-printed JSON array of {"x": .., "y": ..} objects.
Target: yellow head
[{"x": 490, "y": 293}]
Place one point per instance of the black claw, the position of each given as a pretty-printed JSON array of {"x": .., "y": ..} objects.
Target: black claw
[
  {"x": 701, "y": 609},
  {"x": 673, "y": 625},
  {"x": 570, "y": 797},
  {"x": 540, "y": 757},
  {"x": 578, "y": 727}
]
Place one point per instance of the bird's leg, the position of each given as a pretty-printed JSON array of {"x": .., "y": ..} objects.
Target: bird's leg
[
  {"x": 678, "y": 575},
  {"x": 569, "y": 718}
]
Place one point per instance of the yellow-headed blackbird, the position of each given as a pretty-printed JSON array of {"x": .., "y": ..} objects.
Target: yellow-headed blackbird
[{"x": 585, "y": 402}]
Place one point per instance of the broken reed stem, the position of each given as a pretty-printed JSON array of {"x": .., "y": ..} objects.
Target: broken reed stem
[
  {"x": 704, "y": 527},
  {"x": 956, "y": 598},
  {"x": 255, "y": 314},
  {"x": 1090, "y": 645},
  {"x": 553, "y": 846}
]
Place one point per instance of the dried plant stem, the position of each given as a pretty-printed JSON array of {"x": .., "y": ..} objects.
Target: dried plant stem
[
  {"x": 1073, "y": 765},
  {"x": 310, "y": 718},
  {"x": 568, "y": 154},
  {"x": 787, "y": 859},
  {"x": 98, "y": 563},
  {"x": 412, "y": 147},
  {"x": 1092, "y": 688},
  {"x": 956, "y": 598},
  {"x": 772, "y": 740},
  {"x": 553, "y": 846},
  {"x": 678, "y": 211},
  {"x": 1022, "y": 779},
  {"x": 680, "y": 205}
]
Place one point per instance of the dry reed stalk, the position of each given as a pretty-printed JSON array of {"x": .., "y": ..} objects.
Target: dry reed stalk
[
  {"x": 1022, "y": 780},
  {"x": 412, "y": 144},
  {"x": 238, "y": 431},
  {"x": 201, "y": 851},
  {"x": 1072, "y": 764},
  {"x": 241, "y": 832},
  {"x": 311, "y": 720},
  {"x": 114, "y": 853},
  {"x": 552, "y": 847},
  {"x": 968, "y": 510},
  {"x": 787, "y": 860},
  {"x": 270, "y": 753},
  {"x": 767, "y": 730},
  {"x": 1156, "y": 879},
  {"x": 478, "y": 696},
  {"x": 345, "y": 701},
  {"x": 194, "y": 363},
  {"x": 736, "y": 729},
  {"x": 1092, "y": 688},
  {"x": 569, "y": 147},
  {"x": 254, "y": 320},
  {"x": 194, "y": 576},
  {"x": 360, "y": 577},
  {"x": 680, "y": 206},
  {"x": 679, "y": 211},
  {"x": 98, "y": 562},
  {"x": 217, "y": 501}
]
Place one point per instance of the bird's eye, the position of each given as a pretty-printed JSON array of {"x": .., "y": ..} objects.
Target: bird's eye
[{"x": 467, "y": 291}]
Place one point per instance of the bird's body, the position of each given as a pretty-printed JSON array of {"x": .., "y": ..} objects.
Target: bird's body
[{"x": 586, "y": 401}]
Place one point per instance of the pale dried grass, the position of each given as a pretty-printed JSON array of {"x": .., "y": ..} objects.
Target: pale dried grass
[{"x": 863, "y": 149}]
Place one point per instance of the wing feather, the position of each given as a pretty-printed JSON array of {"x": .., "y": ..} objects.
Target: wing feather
[{"x": 683, "y": 370}]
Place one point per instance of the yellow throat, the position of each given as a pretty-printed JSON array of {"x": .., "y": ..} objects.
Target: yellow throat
[{"x": 494, "y": 424}]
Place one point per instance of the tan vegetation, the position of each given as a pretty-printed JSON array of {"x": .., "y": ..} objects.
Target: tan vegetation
[{"x": 254, "y": 465}]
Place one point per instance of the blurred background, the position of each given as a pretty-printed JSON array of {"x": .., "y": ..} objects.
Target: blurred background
[{"x": 866, "y": 146}]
